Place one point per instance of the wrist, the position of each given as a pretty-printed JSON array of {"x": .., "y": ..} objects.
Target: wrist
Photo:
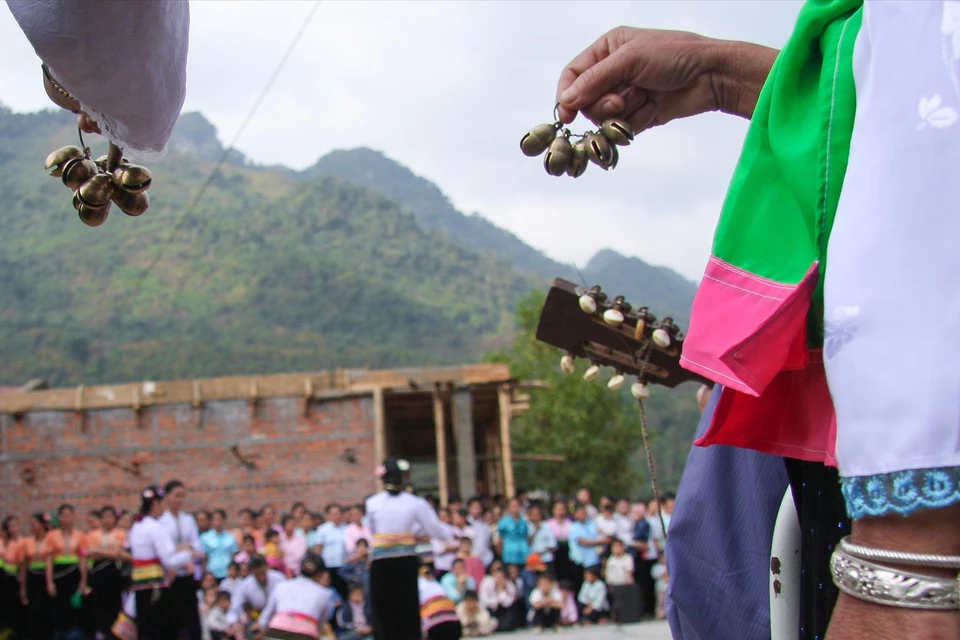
[{"x": 738, "y": 71}]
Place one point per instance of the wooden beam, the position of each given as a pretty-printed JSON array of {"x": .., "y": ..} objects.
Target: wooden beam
[
  {"x": 379, "y": 427},
  {"x": 532, "y": 457},
  {"x": 503, "y": 396},
  {"x": 326, "y": 385},
  {"x": 461, "y": 411},
  {"x": 441, "y": 436}
]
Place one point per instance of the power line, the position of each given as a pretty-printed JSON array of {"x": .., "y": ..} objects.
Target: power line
[{"x": 226, "y": 152}]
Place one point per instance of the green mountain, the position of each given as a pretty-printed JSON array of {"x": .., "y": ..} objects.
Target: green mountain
[{"x": 353, "y": 262}]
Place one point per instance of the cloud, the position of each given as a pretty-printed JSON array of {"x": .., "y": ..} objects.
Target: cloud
[{"x": 448, "y": 89}]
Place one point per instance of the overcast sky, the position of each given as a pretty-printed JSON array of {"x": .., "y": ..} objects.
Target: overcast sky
[{"x": 448, "y": 89}]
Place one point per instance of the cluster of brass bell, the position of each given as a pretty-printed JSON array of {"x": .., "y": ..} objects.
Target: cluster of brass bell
[
  {"x": 572, "y": 158},
  {"x": 96, "y": 184}
]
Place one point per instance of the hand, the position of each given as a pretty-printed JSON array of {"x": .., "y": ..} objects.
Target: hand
[
  {"x": 649, "y": 77},
  {"x": 51, "y": 590},
  {"x": 87, "y": 124}
]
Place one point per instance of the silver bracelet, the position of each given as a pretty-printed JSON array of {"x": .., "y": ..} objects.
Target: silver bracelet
[
  {"x": 900, "y": 557},
  {"x": 892, "y": 587}
]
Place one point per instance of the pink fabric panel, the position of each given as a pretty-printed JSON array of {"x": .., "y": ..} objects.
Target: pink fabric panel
[
  {"x": 793, "y": 418},
  {"x": 746, "y": 329}
]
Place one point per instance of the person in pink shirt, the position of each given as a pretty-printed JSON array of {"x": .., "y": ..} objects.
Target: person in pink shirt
[
  {"x": 472, "y": 564},
  {"x": 292, "y": 545},
  {"x": 355, "y": 529}
]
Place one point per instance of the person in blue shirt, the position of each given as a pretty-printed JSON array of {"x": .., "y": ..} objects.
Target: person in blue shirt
[
  {"x": 457, "y": 582},
  {"x": 584, "y": 541},
  {"x": 514, "y": 535},
  {"x": 219, "y": 545},
  {"x": 330, "y": 547}
]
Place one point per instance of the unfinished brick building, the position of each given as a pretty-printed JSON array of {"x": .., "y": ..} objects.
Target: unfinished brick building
[{"x": 244, "y": 441}]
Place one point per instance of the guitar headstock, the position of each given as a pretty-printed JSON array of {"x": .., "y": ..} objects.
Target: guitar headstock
[{"x": 608, "y": 331}]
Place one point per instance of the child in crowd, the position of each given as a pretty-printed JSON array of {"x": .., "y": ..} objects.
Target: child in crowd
[
  {"x": 247, "y": 548},
  {"x": 232, "y": 581},
  {"x": 457, "y": 582},
  {"x": 499, "y": 595},
  {"x": 662, "y": 578},
  {"x": 356, "y": 569},
  {"x": 475, "y": 620},
  {"x": 619, "y": 570},
  {"x": 593, "y": 597},
  {"x": 353, "y": 619},
  {"x": 546, "y": 602},
  {"x": 570, "y": 613},
  {"x": 271, "y": 551},
  {"x": 471, "y": 563},
  {"x": 215, "y": 621},
  {"x": 523, "y": 593}
]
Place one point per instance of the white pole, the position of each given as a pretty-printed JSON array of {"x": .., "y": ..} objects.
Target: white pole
[{"x": 785, "y": 573}]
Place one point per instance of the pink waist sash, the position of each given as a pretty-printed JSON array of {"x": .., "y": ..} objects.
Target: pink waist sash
[{"x": 294, "y": 622}]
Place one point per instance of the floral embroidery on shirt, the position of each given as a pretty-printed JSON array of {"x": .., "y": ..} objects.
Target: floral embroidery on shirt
[
  {"x": 933, "y": 112},
  {"x": 839, "y": 329},
  {"x": 902, "y": 492}
]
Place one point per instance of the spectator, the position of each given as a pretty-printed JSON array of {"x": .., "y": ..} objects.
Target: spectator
[
  {"x": 247, "y": 550},
  {"x": 593, "y": 597},
  {"x": 444, "y": 551},
  {"x": 356, "y": 570},
  {"x": 293, "y": 546},
  {"x": 584, "y": 541},
  {"x": 514, "y": 535},
  {"x": 542, "y": 540},
  {"x": 546, "y": 602},
  {"x": 570, "y": 613},
  {"x": 475, "y": 620},
  {"x": 355, "y": 529},
  {"x": 219, "y": 544},
  {"x": 230, "y": 583},
  {"x": 271, "y": 551},
  {"x": 585, "y": 500},
  {"x": 607, "y": 528},
  {"x": 625, "y": 521},
  {"x": 473, "y": 565},
  {"x": 620, "y": 566},
  {"x": 353, "y": 620},
  {"x": 659, "y": 573},
  {"x": 560, "y": 527},
  {"x": 215, "y": 622},
  {"x": 457, "y": 582},
  {"x": 329, "y": 546},
  {"x": 499, "y": 595},
  {"x": 482, "y": 543}
]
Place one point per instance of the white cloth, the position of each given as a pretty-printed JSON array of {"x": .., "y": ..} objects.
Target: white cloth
[
  {"x": 625, "y": 525},
  {"x": 442, "y": 558},
  {"x": 404, "y": 514},
  {"x": 892, "y": 291},
  {"x": 150, "y": 540},
  {"x": 537, "y": 596},
  {"x": 299, "y": 595},
  {"x": 125, "y": 62},
  {"x": 183, "y": 529},
  {"x": 250, "y": 594},
  {"x": 606, "y": 527}
]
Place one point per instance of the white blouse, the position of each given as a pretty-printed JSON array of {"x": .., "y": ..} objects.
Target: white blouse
[
  {"x": 250, "y": 593},
  {"x": 400, "y": 515},
  {"x": 149, "y": 540},
  {"x": 300, "y": 595}
]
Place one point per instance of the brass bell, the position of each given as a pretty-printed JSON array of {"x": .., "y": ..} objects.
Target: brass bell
[
  {"x": 617, "y": 132},
  {"x": 76, "y": 201},
  {"x": 96, "y": 191},
  {"x": 614, "y": 157},
  {"x": 78, "y": 171},
  {"x": 558, "y": 156},
  {"x": 578, "y": 161},
  {"x": 132, "y": 204},
  {"x": 57, "y": 160},
  {"x": 599, "y": 150},
  {"x": 538, "y": 139},
  {"x": 93, "y": 216},
  {"x": 103, "y": 160},
  {"x": 133, "y": 178}
]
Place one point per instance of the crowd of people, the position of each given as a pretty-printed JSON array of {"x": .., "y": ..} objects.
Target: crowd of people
[{"x": 502, "y": 565}]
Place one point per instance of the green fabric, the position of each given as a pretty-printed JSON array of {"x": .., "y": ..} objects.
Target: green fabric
[{"x": 783, "y": 195}]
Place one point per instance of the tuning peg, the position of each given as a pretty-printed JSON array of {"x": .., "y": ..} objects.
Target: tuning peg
[
  {"x": 614, "y": 315},
  {"x": 639, "y": 391},
  {"x": 616, "y": 382},
  {"x": 588, "y": 304},
  {"x": 661, "y": 338},
  {"x": 592, "y": 372},
  {"x": 567, "y": 364},
  {"x": 639, "y": 329}
]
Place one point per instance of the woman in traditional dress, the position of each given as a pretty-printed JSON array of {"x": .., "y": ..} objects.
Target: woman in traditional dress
[
  {"x": 560, "y": 526},
  {"x": 299, "y": 608},
  {"x": 33, "y": 578},
  {"x": 105, "y": 549},
  {"x": 63, "y": 551},
  {"x": 393, "y": 517},
  {"x": 438, "y": 615},
  {"x": 153, "y": 554},
  {"x": 10, "y": 607}
]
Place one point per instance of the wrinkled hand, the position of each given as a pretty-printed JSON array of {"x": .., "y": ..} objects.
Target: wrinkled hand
[{"x": 646, "y": 77}]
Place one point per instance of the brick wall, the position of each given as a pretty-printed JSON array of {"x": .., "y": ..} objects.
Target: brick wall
[{"x": 297, "y": 457}]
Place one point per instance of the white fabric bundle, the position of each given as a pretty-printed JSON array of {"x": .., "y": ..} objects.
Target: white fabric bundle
[{"x": 124, "y": 61}]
